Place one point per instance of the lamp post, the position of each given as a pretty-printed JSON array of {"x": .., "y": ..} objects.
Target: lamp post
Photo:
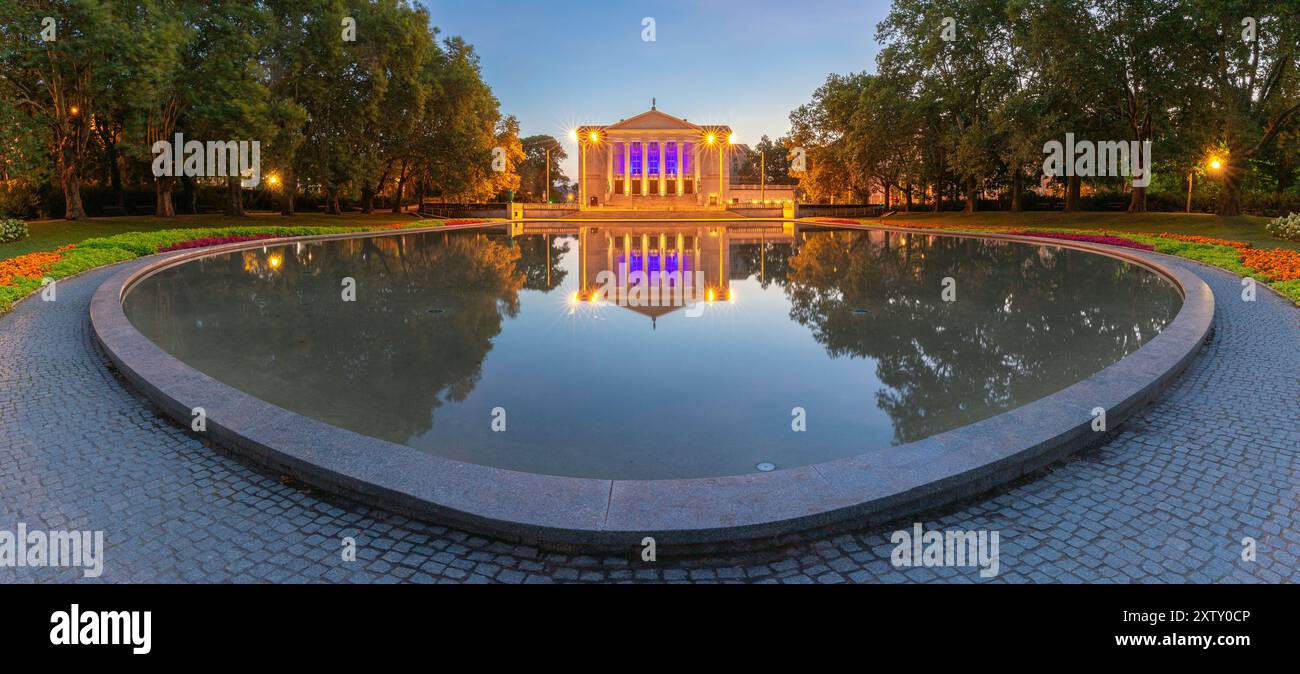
[
  {"x": 762, "y": 176},
  {"x": 591, "y": 138},
  {"x": 711, "y": 140},
  {"x": 1214, "y": 165}
]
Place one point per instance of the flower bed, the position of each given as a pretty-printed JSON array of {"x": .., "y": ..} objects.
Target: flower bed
[
  {"x": 12, "y": 229},
  {"x": 1278, "y": 264},
  {"x": 31, "y": 265},
  {"x": 1286, "y": 227},
  {"x": 1106, "y": 239},
  {"x": 215, "y": 241}
]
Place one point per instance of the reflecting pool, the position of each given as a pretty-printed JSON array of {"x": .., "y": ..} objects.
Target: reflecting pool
[{"x": 652, "y": 351}]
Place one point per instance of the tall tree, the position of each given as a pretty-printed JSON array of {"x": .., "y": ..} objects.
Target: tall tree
[
  {"x": 958, "y": 53},
  {"x": 534, "y": 168},
  {"x": 1255, "y": 85},
  {"x": 56, "y": 81}
]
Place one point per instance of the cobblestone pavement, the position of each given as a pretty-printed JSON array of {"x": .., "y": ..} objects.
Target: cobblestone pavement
[{"x": 1168, "y": 498}]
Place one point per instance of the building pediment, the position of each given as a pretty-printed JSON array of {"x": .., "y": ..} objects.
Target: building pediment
[{"x": 652, "y": 119}]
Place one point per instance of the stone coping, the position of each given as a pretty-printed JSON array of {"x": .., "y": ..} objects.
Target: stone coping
[{"x": 705, "y": 513}]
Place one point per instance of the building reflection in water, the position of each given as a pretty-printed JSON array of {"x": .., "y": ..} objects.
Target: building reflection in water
[{"x": 657, "y": 268}]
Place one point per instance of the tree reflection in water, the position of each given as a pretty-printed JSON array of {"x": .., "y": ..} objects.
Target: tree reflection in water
[
  {"x": 426, "y": 311},
  {"x": 1027, "y": 321},
  {"x": 851, "y": 326}
]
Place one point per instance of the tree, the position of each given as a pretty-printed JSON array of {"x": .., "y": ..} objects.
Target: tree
[
  {"x": 823, "y": 128},
  {"x": 54, "y": 83},
  {"x": 966, "y": 77},
  {"x": 533, "y": 168},
  {"x": 1254, "y": 81}
]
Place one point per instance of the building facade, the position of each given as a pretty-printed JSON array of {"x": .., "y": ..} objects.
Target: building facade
[{"x": 654, "y": 161}]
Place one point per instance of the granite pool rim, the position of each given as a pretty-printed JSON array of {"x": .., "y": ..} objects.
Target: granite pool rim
[{"x": 600, "y": 514}]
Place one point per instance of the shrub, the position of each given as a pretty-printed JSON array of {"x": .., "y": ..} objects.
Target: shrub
[
  {"x": 1287, "y": 227},
  {"x": 12, "y": 230}
]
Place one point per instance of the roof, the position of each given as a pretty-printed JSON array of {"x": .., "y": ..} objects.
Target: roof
[{"x": 656, "y": 120}]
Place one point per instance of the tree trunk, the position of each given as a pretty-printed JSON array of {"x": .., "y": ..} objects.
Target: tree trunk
[
  {"x": 907, "y": 203},
  {"x": 332, "y": 202},
  {"x": 367, "y": 198},
  {"x": 164, "y": 208},
  {"x": 72, "y": 208},
  {"x": 1017, "y": 188},
  {"x": 397, "y": 196},
  {"x": 887, "y": 194},
  {"x": 1072, "y": 189},
  {"x": 1230, "y": 195},
  {"x": 290, "y": 193},
  {"x": 115, "y": 175},
  {"x": 972, "y": 200},
  {"x": 235, "y": 203},
  {"x": 1137, "y": 202},
  {"x": 936, "y": 193}
]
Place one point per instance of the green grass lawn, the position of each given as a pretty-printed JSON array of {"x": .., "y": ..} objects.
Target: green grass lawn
[
  {"x": 50, "y": 234},
  {"x": 1246, "y": 228}
]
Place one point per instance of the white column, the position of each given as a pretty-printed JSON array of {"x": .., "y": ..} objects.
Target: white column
[
  {"x": 696, "y": 166},
  {"x": 609, "y": 169},
  {"x": 663, "y": 164},
  {"x": 679, "y": 167},
  {"x": 645, "y": 168},
  {"x": 627, "y": 168}
]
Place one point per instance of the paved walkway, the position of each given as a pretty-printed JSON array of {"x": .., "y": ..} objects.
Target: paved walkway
[{"x": 1168, "y": 499}]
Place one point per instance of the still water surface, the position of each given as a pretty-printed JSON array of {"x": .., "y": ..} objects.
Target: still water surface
[{"x": 846, "y": 331}]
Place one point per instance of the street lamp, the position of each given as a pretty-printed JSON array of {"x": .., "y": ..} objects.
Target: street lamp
[
  {"x": 1214, "y": 164},
  {"x": 548, "y": 167},
  {"x": 712, "y": 139}
]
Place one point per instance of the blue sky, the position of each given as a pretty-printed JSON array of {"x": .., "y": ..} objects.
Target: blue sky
[{"x": 747, "y": 63}]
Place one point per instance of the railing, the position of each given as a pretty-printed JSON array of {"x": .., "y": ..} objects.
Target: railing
[
  {"x": 840, "y": 210},
  {"x": 446, "y": 210}
]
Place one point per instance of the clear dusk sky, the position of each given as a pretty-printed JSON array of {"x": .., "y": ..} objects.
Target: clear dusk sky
[{"x": 747, "y": 63}]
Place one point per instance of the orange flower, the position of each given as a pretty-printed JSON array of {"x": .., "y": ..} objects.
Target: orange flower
[
  {"x": 32, "y": 265},
  {"x": 1278, "y": 264}
]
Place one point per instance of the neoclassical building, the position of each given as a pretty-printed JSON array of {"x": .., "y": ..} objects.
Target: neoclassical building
[{"x": 654, "y": 161}]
